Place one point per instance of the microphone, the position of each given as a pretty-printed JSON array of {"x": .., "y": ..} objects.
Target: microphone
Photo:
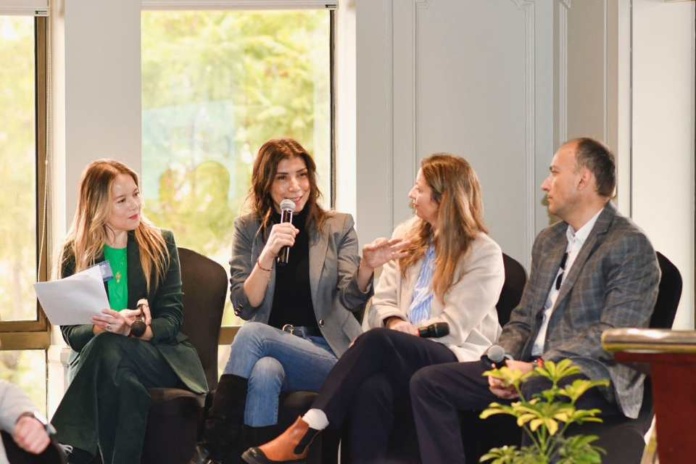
[
  {"x": 495, "y": 355},
  {"x": 138, "y": 327},
  {"x": 287, "y": 207},
  {"x": 435, "y": 330}
]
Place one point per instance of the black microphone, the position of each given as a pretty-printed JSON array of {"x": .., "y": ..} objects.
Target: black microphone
[
  {"x": 495, "y": 356},
  {"x": 435, "y": 330},
  {"x": 138, "y": 327},
  {"x": 287, "y": 207}
]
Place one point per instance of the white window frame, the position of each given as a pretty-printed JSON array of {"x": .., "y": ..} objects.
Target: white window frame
[{"x": 237, "y": 4}]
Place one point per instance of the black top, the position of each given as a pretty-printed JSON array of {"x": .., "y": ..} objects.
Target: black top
[{"x": 292, "y": 297}]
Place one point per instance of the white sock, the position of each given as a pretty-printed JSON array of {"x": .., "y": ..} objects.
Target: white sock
[{"x": 316, "y": 419}]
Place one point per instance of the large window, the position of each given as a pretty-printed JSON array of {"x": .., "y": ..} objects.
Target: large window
[
  {"x": 23, "y": 328},
  {"x": 216, "y": 86}
]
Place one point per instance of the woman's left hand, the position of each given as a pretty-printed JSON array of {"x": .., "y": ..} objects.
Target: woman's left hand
[
  {"x": 145, "y": 306},
  {"x": 381, "y": 251},
  {"x": 118, "y": 322}
]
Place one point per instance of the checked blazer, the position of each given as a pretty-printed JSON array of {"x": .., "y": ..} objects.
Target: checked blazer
[{"x": 612, "y": 283}]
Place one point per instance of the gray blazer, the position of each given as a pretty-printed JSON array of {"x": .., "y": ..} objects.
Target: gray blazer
[
  {"x": 333, "y": 270},
  {"x": 612, "y": 283}
]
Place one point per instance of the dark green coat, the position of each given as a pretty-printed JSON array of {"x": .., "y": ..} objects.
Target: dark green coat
[{"x": 167, "y": 316}]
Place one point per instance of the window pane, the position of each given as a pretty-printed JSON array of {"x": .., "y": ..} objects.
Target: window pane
[
  {"x": 17, "y": 169},
  {"x": 217, "y": 85},
  {"x": 27, "y": 369}
]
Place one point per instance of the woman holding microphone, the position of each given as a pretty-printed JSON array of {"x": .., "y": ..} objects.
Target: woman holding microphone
[{"x": 300, "y": 310}]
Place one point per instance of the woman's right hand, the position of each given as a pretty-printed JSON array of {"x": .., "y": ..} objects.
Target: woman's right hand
[
  {"x": 281, "y": 235},
  {"x": 394, "y": 323}
]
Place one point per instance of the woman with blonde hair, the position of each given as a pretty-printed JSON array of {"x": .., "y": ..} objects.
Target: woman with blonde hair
[
  {"x": 299, "y": 310},
  {"x": 116, "y": 358},
  {"x": 452, "y": 272}
]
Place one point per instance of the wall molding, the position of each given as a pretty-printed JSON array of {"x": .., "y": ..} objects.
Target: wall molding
[
  {"x": 605, "y": 96},
  {"x": 528, "y": 6},
  {"x": 389, "y": 25},
  {"x": 562, "y": 72},
  {"x": 407, "y": 27}
]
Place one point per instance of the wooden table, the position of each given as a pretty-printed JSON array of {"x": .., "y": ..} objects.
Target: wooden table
[{"x": 670, "y": 358}]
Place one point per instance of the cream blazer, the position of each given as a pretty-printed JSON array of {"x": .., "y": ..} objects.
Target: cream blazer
[{"x": 468, "y": 306}]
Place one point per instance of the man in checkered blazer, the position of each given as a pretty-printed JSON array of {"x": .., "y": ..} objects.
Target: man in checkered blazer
[{"x": 591, "y": 271}]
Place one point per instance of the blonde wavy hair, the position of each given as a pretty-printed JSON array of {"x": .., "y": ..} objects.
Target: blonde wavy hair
[
  {"x": 88, "y": 232},
  {"x": 457, "y": 191}
]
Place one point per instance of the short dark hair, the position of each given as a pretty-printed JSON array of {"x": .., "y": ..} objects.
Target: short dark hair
[{"x": 597, "y": 157}]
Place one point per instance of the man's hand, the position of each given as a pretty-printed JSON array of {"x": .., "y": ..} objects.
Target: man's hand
[
  {"x": 30, "y": 435},
  {"x": 498, "y": 387}
]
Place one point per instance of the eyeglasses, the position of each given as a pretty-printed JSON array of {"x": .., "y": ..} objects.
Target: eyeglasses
[{"x": 559, "y": 279}]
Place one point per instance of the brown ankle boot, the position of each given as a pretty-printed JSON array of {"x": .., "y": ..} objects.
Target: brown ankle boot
[{"x": 291, "y": 446}]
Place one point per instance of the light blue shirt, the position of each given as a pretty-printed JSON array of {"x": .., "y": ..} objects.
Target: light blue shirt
[{"x": 419, "y": 310}]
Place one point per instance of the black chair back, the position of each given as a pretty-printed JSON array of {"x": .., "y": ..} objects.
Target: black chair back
[
  {"x": 668, "y": 295},
  {"x": 511, "y": 294},
  {"x": 176, "y": 415},
  {"x": 205, "y": 291}
]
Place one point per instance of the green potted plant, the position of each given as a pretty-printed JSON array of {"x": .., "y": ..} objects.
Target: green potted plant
[{"x": 546, "y": 416}]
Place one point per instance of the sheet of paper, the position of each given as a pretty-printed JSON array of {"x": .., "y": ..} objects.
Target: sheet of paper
[{"x": 75, "y": 299}]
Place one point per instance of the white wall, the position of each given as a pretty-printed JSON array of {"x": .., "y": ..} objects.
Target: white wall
[
  {"x": 95, "y": 78},
  {"x": 450, "y": 75},
  {"x": 472, "y": 77},
  {"x": 663, "y": 135}
]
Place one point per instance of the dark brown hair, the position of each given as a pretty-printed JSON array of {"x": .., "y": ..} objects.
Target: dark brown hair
[
  {"x": 263, "y": 174},
  {"x": 596, "y": 157}
]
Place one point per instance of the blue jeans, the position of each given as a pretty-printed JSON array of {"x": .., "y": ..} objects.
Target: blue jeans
[{"x": 275, "y": 361}]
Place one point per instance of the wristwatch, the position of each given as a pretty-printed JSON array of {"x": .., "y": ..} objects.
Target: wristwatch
[{"x": 41, "y": 418}]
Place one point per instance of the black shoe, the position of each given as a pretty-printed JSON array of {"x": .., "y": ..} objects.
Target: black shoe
[{"x": 202, "y": 456}]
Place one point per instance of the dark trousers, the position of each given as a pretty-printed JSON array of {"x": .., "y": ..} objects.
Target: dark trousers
[
  {"x": 107, "y": 403},
  {"x": 370, "y": 382},
  {"x": 438, "y": 393}
]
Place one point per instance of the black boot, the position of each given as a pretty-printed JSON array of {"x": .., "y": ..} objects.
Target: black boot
[{"x": 224, "y": 424}]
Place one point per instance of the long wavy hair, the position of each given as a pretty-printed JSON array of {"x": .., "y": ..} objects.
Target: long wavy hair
[
  {"x": 88, "y": 232},
  {"x": 263, "y": 174},
  {"x": 457, "y": 191}
]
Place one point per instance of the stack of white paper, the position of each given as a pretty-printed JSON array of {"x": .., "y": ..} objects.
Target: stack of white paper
[{"x": 75, "y": 299}]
